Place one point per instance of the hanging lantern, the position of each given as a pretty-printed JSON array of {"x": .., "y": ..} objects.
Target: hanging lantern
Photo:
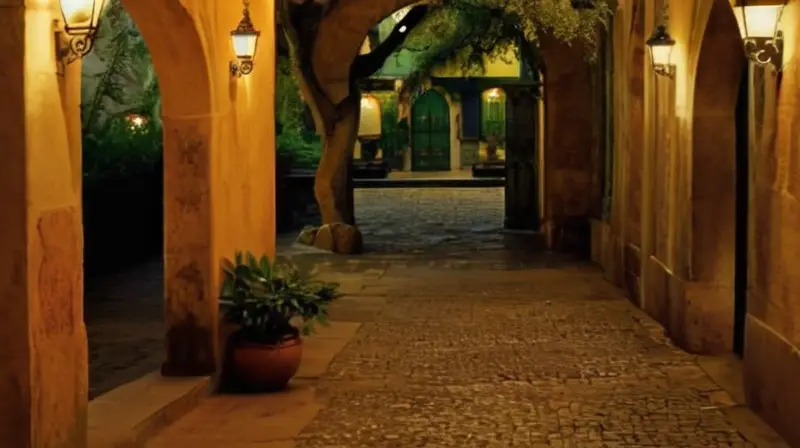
[
  {"x": 81, "y": 22},
  {"x": 661, "y": 45},
  {"x": 245, "y": 41},
  {"x": 758, "y": 23}
]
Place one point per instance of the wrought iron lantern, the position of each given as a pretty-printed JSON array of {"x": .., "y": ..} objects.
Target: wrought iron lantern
[
  {"x": 758, "y": 23},
  {"x": 661, "y": 45},
  {"x": 81, "y": 22},
  {"x": 582, "y": 4},
  {"x": 245, "y": 41}
]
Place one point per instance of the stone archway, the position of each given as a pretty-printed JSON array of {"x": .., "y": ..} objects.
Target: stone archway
[
  {"x": 44, "y": 374},
  {"x": 709, "y": 316},
  {"x": 180, "y": 62}
]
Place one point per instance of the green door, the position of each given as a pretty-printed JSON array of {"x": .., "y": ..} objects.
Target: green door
[{"x": 430, "y": 133}]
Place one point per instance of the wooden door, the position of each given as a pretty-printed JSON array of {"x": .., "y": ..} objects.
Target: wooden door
[
  {"x": 522, "y": 177},
  {"x": 430, "y": 133}
]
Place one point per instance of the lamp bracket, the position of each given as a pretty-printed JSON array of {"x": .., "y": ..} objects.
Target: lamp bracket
[
  {"x": 71, "y": 47},
  {"x": 242, "y": 68},
  {"x": 765, "y": 51},
  {"x": 664, "y": 70}
]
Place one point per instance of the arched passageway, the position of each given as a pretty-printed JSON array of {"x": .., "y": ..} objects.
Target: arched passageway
[
  {"x": 214, "y": 203},
  {"x": 708, "y": 322}
]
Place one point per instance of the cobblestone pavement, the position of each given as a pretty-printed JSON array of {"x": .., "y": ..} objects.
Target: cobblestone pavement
[
  {"x": 464, "y": 344},
  {"x": 125, "y": 312},
  {"x": 414, "y": 219},
  {"x": 462, "y": 355},
  {"x": 124, "y": 317}
]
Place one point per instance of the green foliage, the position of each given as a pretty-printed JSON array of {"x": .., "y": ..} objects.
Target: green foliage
[
  {"x": 288, "y": 103},
  {"x": 118, "y": 151},
  {"x": 464, "y": 31},
  {"x": 394, "y": 133},
  {"x": 264, "y": 297},
  {"x": 302, "y": 147},
  {"x": 118, "y": 80}
]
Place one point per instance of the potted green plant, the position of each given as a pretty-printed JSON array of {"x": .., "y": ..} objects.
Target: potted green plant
[{"x": 272, "y": 305}]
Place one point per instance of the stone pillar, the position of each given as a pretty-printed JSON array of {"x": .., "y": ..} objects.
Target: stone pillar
[
  {"x": 191, "y": 309},
  {"x": 43, "y": 356},
  {"x": 569, "y": 142}
]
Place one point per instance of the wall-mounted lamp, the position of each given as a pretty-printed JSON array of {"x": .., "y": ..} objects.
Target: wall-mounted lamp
[
  {"x": 245, "y": 41},
  {"x": 758, "y": 22},
  {"x": 81, "y": 22},
  {"x": 661, "y": 45},
  {"x": 582, "y": 4}
]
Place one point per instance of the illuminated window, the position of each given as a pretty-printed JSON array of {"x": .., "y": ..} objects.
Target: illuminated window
[
  {"x": 493, "y": 114},
  {"x": 370, "y": 123}
]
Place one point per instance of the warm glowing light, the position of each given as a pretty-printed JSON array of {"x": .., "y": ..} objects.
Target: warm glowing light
[
  {"x": 493, "y": 94},
  {"x": 81, "y": 16},
  {"x": 367, "y": 102},
  {"x": 245, "y": 42},
  {"x": 758, "y": 21},
  {"x": 370, "y": 122},
  {"x": 662, "y": 54},
  {"x": 661, "y": 45},
  {"x": 136, "y": 121}
]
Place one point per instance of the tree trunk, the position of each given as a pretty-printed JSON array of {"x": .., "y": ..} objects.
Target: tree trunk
[{"x": 332, "y": 184}]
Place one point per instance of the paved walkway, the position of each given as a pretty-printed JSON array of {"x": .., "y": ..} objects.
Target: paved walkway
[
  {"x": 430, "y": 219},
  {"x": 125, "y": 313},
  {"x": 480, "y": 352}
]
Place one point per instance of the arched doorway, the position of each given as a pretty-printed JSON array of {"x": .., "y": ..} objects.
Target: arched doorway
[
  {"x": 430, "y": 133},
  {"x": 493, "y": 124},
  {"x": 719, "y": 184}
]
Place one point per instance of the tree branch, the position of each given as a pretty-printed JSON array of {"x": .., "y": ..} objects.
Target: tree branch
[{"x": 366, "y": 65}]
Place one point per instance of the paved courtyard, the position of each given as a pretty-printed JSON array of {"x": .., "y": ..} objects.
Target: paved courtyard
[
  {"x": 458, "y": 342},
  {"x": 480, "y": 352},
  {"x": 124, "y": 312},
  {"x": 430, "y": 219}
]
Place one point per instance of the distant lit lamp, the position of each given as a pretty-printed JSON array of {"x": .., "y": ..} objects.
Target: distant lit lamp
[
  {"x": 493, "y": 94},
  {"x": 245, "y": 40},
  {"x": 81, "y": 22},
  {"x": 136, "y": 121},
  {"x": 582, "y": 4},
  {"x": 758, "y": 22},
  {"x": 661, "y": 45}
]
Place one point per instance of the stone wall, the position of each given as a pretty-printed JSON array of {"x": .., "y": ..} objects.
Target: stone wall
[
  {"x": 219, "y": 197},
  {"x": 670, "y": 239}
]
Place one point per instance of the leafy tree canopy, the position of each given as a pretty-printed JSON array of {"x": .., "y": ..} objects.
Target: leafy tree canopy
[{"x": 469, "y": 30}]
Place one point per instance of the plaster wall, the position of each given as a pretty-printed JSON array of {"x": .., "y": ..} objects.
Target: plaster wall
[
  {"x": 670, "y": 237},
  {"x": 219, "y": 197}
]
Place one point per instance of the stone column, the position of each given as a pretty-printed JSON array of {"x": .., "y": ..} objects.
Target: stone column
[
  {"x": 43, "y": 356},
  {"x": 191, "y": 309}
]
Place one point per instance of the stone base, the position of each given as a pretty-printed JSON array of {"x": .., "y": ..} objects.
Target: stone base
[
  {"x": 697, "y": 316},
  {"x": 771, "y": 373},
  {"x": 133, "y": 413},
  {"x": 335, "y": 237}
]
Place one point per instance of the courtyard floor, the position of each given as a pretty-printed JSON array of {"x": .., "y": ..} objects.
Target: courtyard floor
[{"x": 447, "y": 339}]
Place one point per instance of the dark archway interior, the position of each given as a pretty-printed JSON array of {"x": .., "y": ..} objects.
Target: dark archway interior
[{"x": 720, "y": 171}]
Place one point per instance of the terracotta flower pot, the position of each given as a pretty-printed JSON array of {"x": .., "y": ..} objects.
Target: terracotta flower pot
[{"x": 267, "y": 367}]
